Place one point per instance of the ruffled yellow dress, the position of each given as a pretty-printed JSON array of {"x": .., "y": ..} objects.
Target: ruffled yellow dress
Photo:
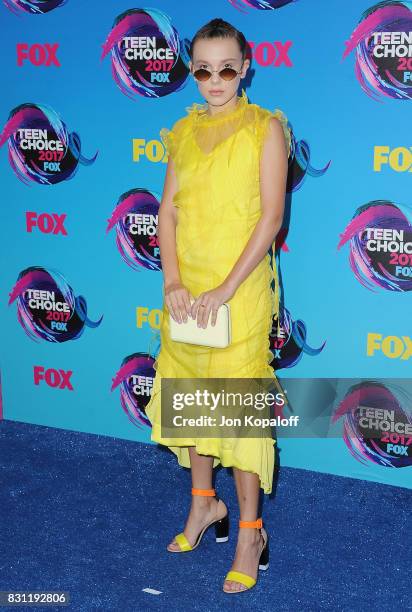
[{"x": 216, "y": 160}]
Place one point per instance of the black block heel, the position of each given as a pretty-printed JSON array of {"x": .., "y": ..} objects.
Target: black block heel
[
  {"x": 222, "y": 529},
  {"x": 264, "y": 557}
]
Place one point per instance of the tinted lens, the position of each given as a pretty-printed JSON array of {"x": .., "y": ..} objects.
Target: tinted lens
[
  {"x": 228, "y": 74},
  {"x": 202, "y": 74}
]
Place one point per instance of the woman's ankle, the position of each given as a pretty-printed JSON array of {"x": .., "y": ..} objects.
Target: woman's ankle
[
  {"x": 200, "y": 501},
  {"x": 249, "y": 536}
]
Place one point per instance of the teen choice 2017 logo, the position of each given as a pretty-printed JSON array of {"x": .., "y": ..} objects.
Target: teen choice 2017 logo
[
  {"x": 135, "y": 219},
  {"x": 41, "y": 149},
  {"x": 377, "y": 424},
  {"x": 135, "y": 380},
  {"x": 288, "y": 344},
  {"x": 35, "y": 7},
  {"x": 383, "y": 50},
  {"x": 300, "y": 166},
  {"x": 47, "y": 308},
  {"x": 148, "y": 57},
  {"x": 380, "y": 245}
]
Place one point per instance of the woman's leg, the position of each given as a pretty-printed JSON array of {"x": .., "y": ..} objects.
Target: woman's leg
[
  {"x": 249, "y": 539},
  {"x": 203, "y": 509}
]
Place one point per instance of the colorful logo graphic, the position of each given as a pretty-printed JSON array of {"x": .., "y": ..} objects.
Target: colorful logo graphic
[
  {"x": 377, "y": 424},
  {"x": 380, "y": 249},
  {"x": 299, "y": 164},
  {"x": 148, "y": 57},
  {"x": 40, "y": 147},
  {"x": 135, "y": 379},
  {"x": 135, "y": 218},
  {"x": 35, "y": 7},
  {"x": 383, "y": 52},
  {"x": 289, "y": 343},
  {"x": 261, "y": 5},
  {"x": 47, "y": 307}
]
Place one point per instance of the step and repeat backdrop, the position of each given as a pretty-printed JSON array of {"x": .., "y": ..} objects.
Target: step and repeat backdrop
[{"x": 86, "y": 89}]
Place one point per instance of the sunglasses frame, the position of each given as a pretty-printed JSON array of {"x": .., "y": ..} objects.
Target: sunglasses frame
[{"x": 219, "y": 71}]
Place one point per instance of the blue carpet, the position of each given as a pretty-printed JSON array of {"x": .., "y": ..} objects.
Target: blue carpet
[{"x": 92, "y": 515}]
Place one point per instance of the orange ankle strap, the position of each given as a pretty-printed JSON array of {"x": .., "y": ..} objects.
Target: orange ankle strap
[
  {"x": 257, "y": 523},
  {"x": 206, "y": 492}
]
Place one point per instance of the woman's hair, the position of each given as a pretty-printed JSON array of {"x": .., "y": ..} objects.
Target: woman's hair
[{"x": 218, "y": 28}]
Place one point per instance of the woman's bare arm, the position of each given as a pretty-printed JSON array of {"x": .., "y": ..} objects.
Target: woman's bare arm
[
  {"x": 167, "y": 228},
  {"x": 273, "y": 176},
  {"x": 176, "y": 295}
]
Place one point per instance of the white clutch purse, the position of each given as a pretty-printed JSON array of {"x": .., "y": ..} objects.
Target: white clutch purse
[{"x": 217, "y": 336}]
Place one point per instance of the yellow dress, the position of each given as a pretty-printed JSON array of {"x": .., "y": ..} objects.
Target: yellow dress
[{"x": 216, "y": 160}]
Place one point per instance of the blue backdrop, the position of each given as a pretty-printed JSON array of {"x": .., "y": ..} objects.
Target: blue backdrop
[{"x": 346, "y": 310}]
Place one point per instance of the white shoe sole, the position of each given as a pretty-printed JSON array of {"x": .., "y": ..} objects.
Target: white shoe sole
[{"x": 225, "y": 539}]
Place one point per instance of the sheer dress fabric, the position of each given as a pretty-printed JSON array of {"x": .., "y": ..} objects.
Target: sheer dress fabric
[{"x": 216, "y": 160}]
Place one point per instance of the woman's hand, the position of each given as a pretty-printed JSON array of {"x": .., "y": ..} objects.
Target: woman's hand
[
  {"x": 211, "y": 300},
  {"x": 178, "y": 301}
]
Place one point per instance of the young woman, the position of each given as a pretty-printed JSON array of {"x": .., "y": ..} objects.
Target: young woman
[{"x": 221, "y": 208}]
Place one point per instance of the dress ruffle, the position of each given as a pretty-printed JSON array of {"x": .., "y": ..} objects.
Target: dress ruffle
[
  {"x": 200, "y": 111},
  {"x": 263, "y": 130},
  {"x": 169, "y": 140},
  {"x": 264, "y": 126},
  {"x": 227, "y": 122}
]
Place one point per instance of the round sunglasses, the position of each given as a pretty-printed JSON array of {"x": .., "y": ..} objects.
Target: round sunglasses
[{"x": 227, "y": 74}]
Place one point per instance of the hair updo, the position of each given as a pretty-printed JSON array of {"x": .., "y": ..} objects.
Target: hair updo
[{"x": 218, "y": 28}]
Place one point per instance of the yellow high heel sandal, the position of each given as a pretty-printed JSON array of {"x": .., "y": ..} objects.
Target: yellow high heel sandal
[
  {"x": 221, "y": 527},
  {"x": 245, "y": 579}
]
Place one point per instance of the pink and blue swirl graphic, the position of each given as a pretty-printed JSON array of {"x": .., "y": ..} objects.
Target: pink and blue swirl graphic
[
  {"x": 380, "y": 250},
  {"x": 135, "y": 219},
  {"x": 135, "y": 380},
  {"x": 41, "y": 150},
  {"x": 377, "y": 424},
  {"x": 383, "y": 63},
  {"x": 47, "y": 308},
  {"x": 34, "y": 7},
  {"x": 261, "y": 5},
  {"x": 290, "y": 345},
  {"x": 299, "y": 164},
  {"x": 148, "y": 57}
]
